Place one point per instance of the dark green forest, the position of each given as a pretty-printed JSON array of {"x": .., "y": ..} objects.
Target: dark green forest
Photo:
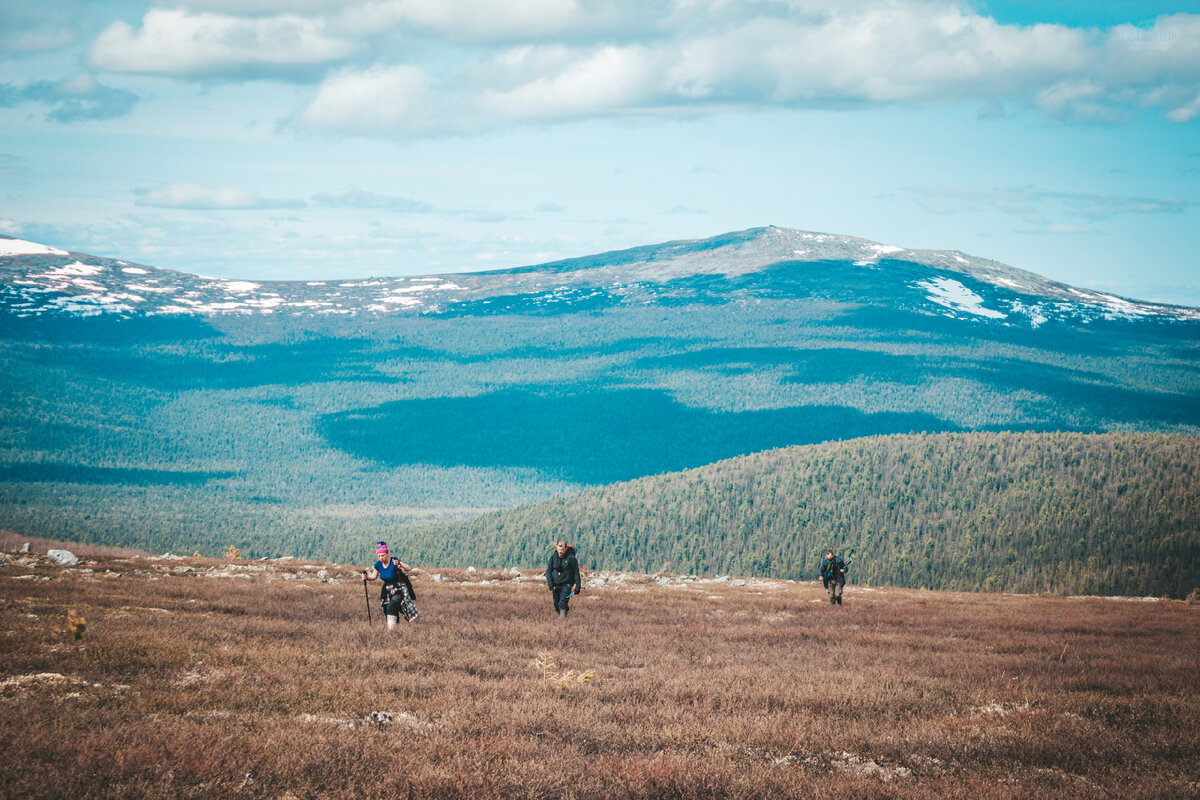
[{"x": 1110, "y": 513}]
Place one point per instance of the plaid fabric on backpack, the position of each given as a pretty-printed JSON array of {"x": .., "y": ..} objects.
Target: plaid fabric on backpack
[
  {"x": 408, "y": 606},
  {"x": 396, "y": 596}
]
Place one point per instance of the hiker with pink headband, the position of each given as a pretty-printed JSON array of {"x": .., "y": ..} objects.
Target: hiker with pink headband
[{"x": 396, "y": 596}]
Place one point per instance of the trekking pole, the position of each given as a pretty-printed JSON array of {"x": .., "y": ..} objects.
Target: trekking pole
[{"x": 367, "y": 597}]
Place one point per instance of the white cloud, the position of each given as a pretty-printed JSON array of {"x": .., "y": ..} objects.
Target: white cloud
[
  {"x": 1186, "y": 112},
  {"x": 472, "y": 20},
  {"x": 30, "y": 28},
  {"x": 189, "y": 196},
  {"x": 607, "y": 80},
  {"x": 377, "y": 100},
  {"x": 1062, "y": 228},
  {"x": 260, "y": 6},
  {"x": 75, "y": 98},
  {"x": 1043, "y": 211},
  {"x": 14, "y": 43},
  {"x": 352, "y": 197},
  {"x": 696, "y": 57},
  {"x": 895, "y": 53},
  {"x": 176, "y": 43}
]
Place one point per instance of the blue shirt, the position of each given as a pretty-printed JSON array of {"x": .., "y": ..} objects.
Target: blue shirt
[{"x": 388, "y": 574}]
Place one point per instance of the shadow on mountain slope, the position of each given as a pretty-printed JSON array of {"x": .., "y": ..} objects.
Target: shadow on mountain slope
[{"x": 591, "y": 436}]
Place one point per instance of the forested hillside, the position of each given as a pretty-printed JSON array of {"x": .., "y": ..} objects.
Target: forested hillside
[{"x": 1109, "y": 513}]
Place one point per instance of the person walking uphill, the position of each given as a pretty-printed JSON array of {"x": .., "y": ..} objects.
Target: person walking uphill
[
  {"x": 562, "y": 576},
  {"x": 833, "y": 575},
  {"x": 396, "y": 596}
]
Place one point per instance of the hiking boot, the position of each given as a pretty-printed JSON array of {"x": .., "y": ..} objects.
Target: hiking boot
[{"x": 839, "y": 601}]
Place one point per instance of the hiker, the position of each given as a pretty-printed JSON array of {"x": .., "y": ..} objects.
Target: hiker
[
  {"x": 833, "y": 575},
  {"x": 396, "y": 596},
  {"x": 562, "y": 576}
]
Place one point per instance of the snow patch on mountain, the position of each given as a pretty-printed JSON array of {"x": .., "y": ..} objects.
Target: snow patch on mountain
[
  {"x": 145, "y": 287},
  {"x": 1009, "y": 282},
  {"x": 953, "y": 295},
  {"x": 1123, "y": 307},
  {"x": 78, "y": 268},
  {"x": 20, "y": 247},
  {"x": 1035, "y": 312}
]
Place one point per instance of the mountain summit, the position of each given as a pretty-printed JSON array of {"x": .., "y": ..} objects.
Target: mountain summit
[{"x": 38, "y": 279}]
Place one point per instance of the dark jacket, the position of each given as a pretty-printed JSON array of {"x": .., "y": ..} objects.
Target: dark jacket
[
  {"x": 398, "y": 578},
  {"x": 563, "y": 571},
  {"x": 833, "y": 570}
]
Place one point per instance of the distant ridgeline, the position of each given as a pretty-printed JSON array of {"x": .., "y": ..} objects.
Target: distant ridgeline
[
  {"x": 166, "y": 411},
  {"x": 1081, "y": 514}
]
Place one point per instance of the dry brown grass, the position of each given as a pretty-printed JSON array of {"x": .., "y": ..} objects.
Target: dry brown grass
[
  {"x": 12, "y": 542},
  {"x": 190, "y": 686}
]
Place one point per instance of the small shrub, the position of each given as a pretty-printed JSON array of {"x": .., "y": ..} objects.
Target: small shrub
[
  {"x": 76, "y": 624},
  {"x": 563, "y": 680},
  {"x": 545, "y": 662}
]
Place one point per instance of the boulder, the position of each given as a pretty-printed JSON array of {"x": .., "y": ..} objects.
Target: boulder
[{"x": 64, "y": 557}]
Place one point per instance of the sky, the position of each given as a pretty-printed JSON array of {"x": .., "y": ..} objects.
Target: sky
[{"x": 309, "y": 139}]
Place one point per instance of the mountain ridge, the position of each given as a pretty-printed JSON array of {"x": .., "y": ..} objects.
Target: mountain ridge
[{"x": 37, "y": 281}]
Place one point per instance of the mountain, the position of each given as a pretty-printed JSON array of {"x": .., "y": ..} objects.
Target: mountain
[
  {"x": 42, "y": 280},
  {"x": 156, "y": 409}
]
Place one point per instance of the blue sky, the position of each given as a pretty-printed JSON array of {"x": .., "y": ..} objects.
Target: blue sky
[{"x": 303, "y": 139}]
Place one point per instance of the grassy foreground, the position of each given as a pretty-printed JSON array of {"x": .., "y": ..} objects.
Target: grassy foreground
[{"x": 206, "y": 678}]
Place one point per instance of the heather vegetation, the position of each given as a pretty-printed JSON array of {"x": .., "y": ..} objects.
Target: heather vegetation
[{"x": 207, "y": 678}]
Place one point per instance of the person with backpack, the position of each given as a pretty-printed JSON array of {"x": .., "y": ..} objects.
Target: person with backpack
[
  {"x": 562, "y": 576},
  {"x": 833, "y": 576},
  {"x": 396, "y": 596}
]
